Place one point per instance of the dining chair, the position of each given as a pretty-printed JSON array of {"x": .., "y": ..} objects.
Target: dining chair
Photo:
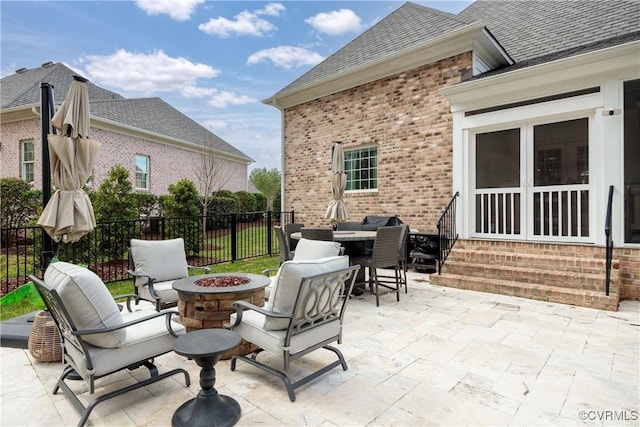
[
  {"x": 283, "y": 245},
  {"x": 292, "y": 227},
  {"x": 384, "y": 255},
  {"x": 403, "y": 260},
  {"x": 317, "y": 233},
  {"x": 349, "y": 226}
]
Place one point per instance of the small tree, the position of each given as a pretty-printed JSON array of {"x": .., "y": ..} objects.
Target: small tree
[
  {"x": 212, "y": 173},
  {"x": 267, "y": 182},
  {"x": 114, "y": 200},
  {"x": 183, "y": 202}
]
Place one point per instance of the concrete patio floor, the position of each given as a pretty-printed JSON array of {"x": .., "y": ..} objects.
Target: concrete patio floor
[{"x": 440, "y": 356}]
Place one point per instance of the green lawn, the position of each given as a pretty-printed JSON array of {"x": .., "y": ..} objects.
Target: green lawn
[{"x": 253, "y": 265}]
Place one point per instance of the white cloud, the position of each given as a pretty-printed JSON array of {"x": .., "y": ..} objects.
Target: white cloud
[
  {"x": 272, "y": 9},
  {"x": 180, "y": 10},
  {"x": 336, "y": 22},
  {"x": 243, "y": 24},
  {"x": 221, "y": 99},
  {"x": 147, "y": 74},
  {"x": 286, "y": 57}
]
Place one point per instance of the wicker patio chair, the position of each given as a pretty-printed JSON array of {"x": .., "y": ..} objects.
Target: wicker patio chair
[
  {"x": 317, "y": 233},
  {"x": 403, "y": 258},
  {"x": 384, "y": 255},
  {"x": 285, "y": 253},
  {"x": 292, "y": 227},
  {"x": 349, "y": 226}
]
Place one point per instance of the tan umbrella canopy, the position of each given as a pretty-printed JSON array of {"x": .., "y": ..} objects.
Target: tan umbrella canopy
[
  {"x": 337, "y": 210},
  {"x": 69, "y": 214}
]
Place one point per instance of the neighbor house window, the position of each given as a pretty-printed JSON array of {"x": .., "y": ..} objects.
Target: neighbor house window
[
  {"x": 142, "y": 172},
  {"x": 27, "y": 157},
  {"x": 361, "y": 166}
]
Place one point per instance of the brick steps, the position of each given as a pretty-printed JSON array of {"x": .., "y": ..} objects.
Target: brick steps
[
  {"x": 533, "y": 291},
  {"x": 568, "y": 274}
]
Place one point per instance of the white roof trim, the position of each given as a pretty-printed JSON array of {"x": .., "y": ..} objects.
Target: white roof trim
[
  {"x": 450, "y": 44},
  {"x": 563, "y": 75}
]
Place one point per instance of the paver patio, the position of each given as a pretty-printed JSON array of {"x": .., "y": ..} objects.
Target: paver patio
[{"x": 440, "y": 356}]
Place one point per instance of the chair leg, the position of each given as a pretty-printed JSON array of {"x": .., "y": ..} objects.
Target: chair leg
[{"x": 291, "y": 387}]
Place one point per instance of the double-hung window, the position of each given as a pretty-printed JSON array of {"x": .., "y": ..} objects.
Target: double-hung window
[
  {"x": 361, "y": 166},
  {"x": 27, "y": 157},
  {"x": 142, "y": 172}
]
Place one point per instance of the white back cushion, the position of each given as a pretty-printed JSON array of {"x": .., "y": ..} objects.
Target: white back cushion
[
  {"x": 290, "y": 275},
  {"x": 161, "y": 259},
  {"x": 88, "y": 301},
  {"x": 314, "y": 249}
]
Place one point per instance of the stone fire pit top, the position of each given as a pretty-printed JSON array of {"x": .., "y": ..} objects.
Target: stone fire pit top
[{"x": 188, "y": 285}]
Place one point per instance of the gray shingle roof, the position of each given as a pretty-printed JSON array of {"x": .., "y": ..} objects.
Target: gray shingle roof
[
  {"x": 531, "y": 31},
  {"x": 150, "y": 114},
  {"x": 406, "y": 27}
]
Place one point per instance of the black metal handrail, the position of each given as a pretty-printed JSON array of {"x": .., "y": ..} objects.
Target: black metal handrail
[
  {"x": 447, "y": 231},
  {"x": 609, "y": 241}
]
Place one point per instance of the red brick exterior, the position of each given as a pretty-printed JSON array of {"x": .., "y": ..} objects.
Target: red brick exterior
[
  {"x": 408, "y": 120},
  {"x": 167, "y": 164}
]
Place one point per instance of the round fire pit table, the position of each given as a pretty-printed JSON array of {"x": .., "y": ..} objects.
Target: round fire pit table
[{"x": 206, "y": 301}]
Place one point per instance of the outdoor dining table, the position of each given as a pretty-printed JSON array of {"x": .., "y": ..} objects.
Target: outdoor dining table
[
  {"x": 353, "y": 241},
  {"x": 346, "y": 236}
]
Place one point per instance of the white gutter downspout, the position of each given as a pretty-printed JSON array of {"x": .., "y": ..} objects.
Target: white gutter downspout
[{"x": 283, "y": 200}]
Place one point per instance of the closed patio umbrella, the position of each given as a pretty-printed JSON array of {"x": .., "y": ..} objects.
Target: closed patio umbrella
[
  {"x": 69, "y": 214},
  {"x": 337, "y": 210}
]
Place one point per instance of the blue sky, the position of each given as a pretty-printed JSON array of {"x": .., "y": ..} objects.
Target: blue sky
[{"x": 215, "y": 61}]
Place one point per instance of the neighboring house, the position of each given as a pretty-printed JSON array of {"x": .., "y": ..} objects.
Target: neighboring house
[
  {"x": 528, "y": 109},
  {"x": 156, "y": 143}
]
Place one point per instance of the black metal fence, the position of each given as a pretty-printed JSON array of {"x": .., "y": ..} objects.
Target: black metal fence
[{"x": 229, "y": 237}]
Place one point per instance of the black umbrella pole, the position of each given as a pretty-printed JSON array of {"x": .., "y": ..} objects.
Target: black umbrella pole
[{"x": 46, "y": 102}]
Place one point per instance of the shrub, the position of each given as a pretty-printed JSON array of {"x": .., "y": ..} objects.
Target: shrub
[
  {"x": 261, "y": 202},
  {"x": 225, "y": 193},
  {"x": 19, "y": 204},
  {"x": 220, "y": 210},
  {"x": 183, "y": 201},
  {"x": 247, "y": 201}
]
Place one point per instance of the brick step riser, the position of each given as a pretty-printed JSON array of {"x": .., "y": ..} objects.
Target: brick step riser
[
  {"x": 559, "y": 279},
  {"x": 535, "y": 292},
  {"x": 579, "y": 251},
  {"x": 577, "y": 265}
]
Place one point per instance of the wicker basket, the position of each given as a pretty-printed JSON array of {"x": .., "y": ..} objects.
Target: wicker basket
[{"x": 45, "y": 344}]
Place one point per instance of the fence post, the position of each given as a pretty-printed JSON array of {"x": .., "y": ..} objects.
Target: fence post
[
  {"x": 162, "y": 230},
  {"x": 234, "y": 237},
  {"x": 269, "y": 228}
]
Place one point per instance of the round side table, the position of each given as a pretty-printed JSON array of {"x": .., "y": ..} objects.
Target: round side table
[{"x": 208, "y": 408}]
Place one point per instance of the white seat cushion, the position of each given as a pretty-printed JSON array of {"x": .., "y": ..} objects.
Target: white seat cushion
[
  {"x": 144, "y": 340},
  {"x": 164, "y": 290},
  {"x": 88, "y": 301},
  {"x": 251, "y": 329},
  {"x": 314, "y": 249},
  {"x": 284, "y": 291},
  {"x": 163, "y": 260}
]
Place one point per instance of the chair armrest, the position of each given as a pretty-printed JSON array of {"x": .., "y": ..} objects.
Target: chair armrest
[
  {"x": 167, "y": 313},
  {"x": 140, "y": 274},
  {"x": 207, "y": 270},
  {"x": 129, "y": 297},
  {"x": 241, "y": 305}
]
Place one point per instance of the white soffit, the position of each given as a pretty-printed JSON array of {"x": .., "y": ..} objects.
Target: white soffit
[{"x": 564, "y": 75}]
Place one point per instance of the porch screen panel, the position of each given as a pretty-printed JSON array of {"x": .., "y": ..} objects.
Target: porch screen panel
[
  {"x": 561, "y": 178},
  {"x": 497, "y": 194},
  {"x": 631, "y": 161}
]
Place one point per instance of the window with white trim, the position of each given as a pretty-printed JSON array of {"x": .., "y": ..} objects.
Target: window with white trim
[
  {"x": 361, "y": 166},
  {"x": 142, "y": 172},
  {"x": 27, "y": 158}
]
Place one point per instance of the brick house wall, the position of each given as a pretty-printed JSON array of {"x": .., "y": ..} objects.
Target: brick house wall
[
  {"x": 409, "y": 122},
  {"x": 167, "y": 164}
]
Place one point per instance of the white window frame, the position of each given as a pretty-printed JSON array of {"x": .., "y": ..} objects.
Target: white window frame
[
  {"x": 376, "y": 168},
  {"x": 144, "y": 173},
  {"x": 24, "y": 163}
]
